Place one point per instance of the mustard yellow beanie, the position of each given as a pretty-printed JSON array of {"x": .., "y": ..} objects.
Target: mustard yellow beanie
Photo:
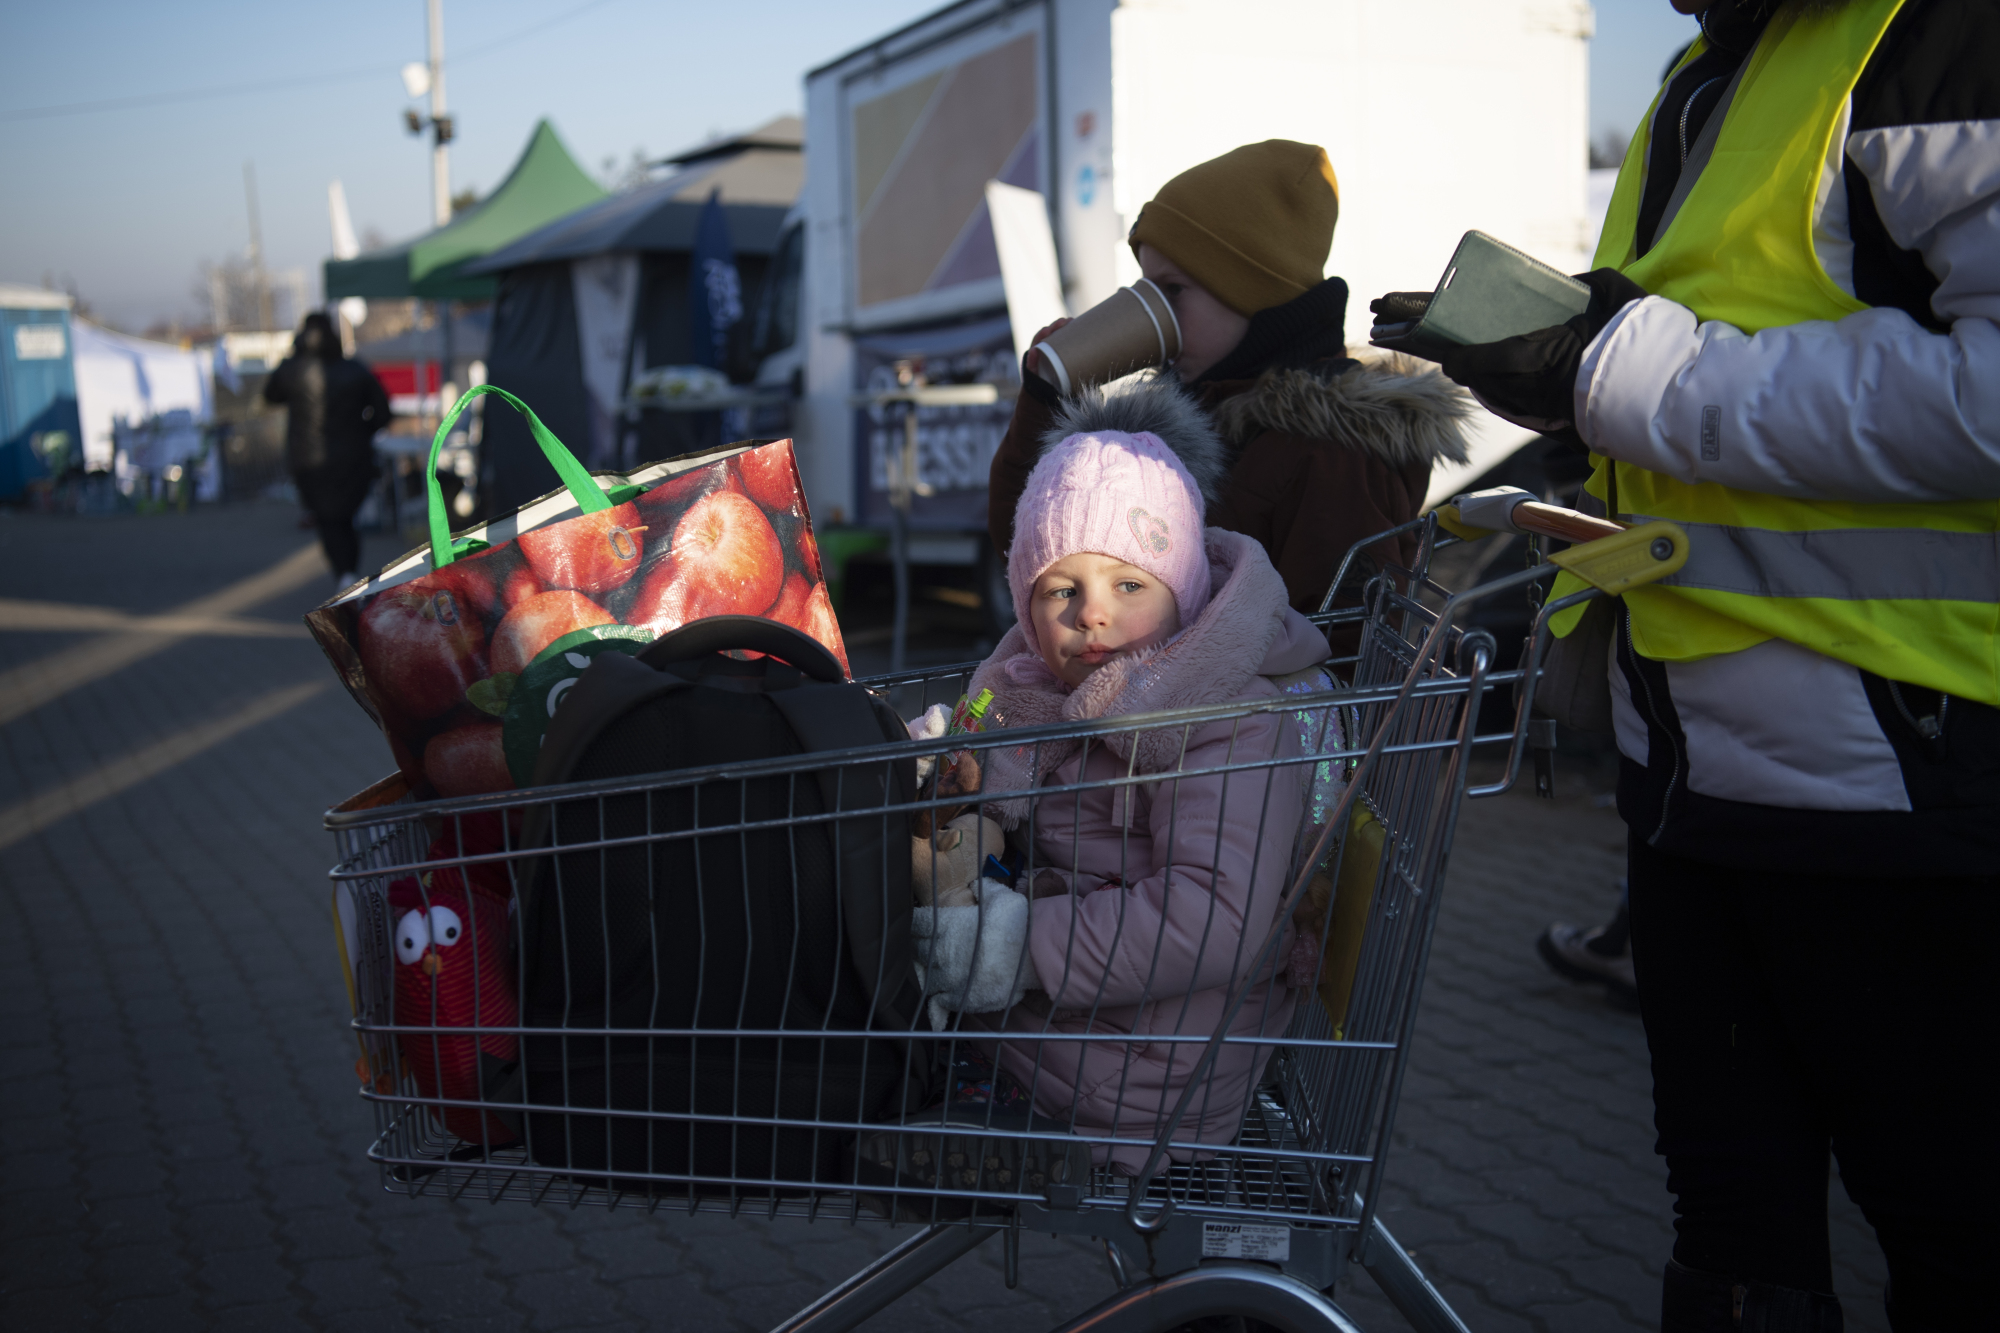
[{"x": 1252, "y": 226}]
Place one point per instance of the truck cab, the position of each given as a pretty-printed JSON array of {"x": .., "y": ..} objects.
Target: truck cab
[{"x": 1438, "y": 118}]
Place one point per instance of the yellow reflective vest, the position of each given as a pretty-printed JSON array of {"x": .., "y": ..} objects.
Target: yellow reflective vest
[{"x": 1872, "y": 585}]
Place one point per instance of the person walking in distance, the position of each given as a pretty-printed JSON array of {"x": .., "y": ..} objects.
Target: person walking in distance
[
  {"x": 334, "y": 406},
  {"x": 1793, "y": 353}
]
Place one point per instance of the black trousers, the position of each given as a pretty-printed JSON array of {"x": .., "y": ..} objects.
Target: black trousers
[
  {"x": 1793, "y": 1015},
  {"x": 331, "y": 496}
]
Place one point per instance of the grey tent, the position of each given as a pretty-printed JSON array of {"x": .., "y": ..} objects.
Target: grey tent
[{"x": 594, "y": 297}]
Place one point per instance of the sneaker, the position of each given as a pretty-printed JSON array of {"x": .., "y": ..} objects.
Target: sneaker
[
  {"x": 973, "y": 1080},
  {"x": 1601, "y": 955},
  {"x": 950, "y": 1146}
]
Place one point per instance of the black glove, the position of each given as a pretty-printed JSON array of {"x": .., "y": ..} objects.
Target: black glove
[
  {"x": 1400, "y": 307},
  {"x": 1530, "y": 379}
]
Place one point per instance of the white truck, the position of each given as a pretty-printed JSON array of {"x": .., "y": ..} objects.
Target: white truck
[{"x": 1439, "y": 116}]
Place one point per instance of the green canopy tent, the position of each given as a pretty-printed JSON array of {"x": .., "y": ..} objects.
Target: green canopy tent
[{"x": 544, "y": 185}]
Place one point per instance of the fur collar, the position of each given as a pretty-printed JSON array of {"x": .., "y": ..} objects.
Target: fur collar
[
  {"x": 1247, "y": 630},
  {"x": 1401, "y": 410}
]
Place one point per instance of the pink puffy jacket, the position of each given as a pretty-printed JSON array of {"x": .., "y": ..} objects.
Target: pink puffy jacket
[{"x": 1170, "y": 899}]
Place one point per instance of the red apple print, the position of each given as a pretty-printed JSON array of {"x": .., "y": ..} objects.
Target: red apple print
[
  {"x": 790, "y": 608},
  {"x": 590, "y": 553},
  {"x": 540, "y": 621},
  {"x": 767, "y": 475},
  {"x": 421, "y": 645},
  {"x": 808, "y": 553},
  {"x": 820, "y": 622},
  {"x": 666, "y": 599},
  {"x": 407, "y": 762},
  {"x": 807, "y": 607},
  {"x": 680, "y": 490},
  {"x": 725, "y": 561},
  {"x": 467, "y": 760},
  {"x": 519, "y": 587},
  {"x": 472, "y": 581}
]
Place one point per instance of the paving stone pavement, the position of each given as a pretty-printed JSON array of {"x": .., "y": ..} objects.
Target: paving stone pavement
[{"x": 181, "y": 1145}]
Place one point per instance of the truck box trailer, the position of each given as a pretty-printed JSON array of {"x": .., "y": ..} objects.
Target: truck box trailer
[{"x": 1438, "y": 115}]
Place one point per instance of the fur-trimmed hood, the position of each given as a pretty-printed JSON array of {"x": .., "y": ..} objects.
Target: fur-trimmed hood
[
  {"x": 1399, "y": 409},
  {"x": 1247, "y": 630},
  {"x": 1153, "y": 405}
]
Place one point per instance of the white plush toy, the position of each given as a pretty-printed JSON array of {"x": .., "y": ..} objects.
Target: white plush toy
[
  {"x": 928, "y": 726},
  {"x": 970, "y": 933},
  {"x": 974, "y": 959},
  {"x": 945, "y": 868},
  {"x": 946, "y": 862}
]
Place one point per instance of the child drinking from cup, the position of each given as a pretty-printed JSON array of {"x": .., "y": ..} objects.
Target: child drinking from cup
[{"x": 1325, "y": 449}]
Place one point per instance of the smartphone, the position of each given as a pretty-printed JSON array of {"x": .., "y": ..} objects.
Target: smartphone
[{"x": 1489, "y": 291}]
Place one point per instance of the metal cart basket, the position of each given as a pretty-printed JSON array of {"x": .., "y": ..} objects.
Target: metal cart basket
[{"x": 1229, "y": 1164}]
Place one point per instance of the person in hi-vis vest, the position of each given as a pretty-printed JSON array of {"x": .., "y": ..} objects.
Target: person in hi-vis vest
[{"x": 1792, "y": 352}]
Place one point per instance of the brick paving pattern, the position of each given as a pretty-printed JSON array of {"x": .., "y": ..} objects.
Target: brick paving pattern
[{"x": 180, "y": 1141}]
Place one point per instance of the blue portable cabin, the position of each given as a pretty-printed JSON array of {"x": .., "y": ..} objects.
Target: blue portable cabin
[{"x": 38, "y": 420}]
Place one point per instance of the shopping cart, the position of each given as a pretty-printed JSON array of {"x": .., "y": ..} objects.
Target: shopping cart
[{"x": 1261, "y": 1217}]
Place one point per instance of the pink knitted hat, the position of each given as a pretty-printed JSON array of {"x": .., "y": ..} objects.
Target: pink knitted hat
[{"x": 1127, "y": 496}]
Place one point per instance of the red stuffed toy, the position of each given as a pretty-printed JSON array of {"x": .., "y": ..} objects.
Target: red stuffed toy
[{"x": 452, "y": 972}]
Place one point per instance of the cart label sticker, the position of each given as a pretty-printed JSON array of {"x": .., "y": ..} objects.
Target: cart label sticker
[{"x": 1245, "y": 1240}]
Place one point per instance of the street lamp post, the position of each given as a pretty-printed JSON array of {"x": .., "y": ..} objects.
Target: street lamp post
[
  {"x": 440, "y": 122},
  {"x": 428, "y": 77},
  {"x": 418, "y": 80}
]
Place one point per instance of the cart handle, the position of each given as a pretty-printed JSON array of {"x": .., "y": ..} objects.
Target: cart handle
[
  {"x": 1511, "y": 509},
  {"x": 1568, "y": 524},
  {"x": 1608, "y": 555}
]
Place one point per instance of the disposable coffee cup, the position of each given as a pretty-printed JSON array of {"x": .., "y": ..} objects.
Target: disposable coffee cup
[{"x": 1130, "y": 330}]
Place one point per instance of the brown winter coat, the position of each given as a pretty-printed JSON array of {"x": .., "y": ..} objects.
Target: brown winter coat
[{"x": 1323, "y": 455}]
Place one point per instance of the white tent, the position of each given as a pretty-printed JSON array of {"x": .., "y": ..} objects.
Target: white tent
[{"x": 133, "y": 379}]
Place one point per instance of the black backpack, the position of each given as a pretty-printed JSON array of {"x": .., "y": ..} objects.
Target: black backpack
[{"x": 800, "y": 927}]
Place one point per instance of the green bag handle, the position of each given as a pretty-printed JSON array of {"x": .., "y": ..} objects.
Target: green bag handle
[{"x": 583, "y": 487}]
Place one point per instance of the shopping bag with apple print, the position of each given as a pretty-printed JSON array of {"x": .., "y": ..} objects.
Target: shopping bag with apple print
[{"x": 464, "y": 648}]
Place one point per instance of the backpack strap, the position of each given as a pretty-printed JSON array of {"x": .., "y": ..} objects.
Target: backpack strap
[
  {"x": 874, "y": 876},
  {"x": 716, "y": 634}
]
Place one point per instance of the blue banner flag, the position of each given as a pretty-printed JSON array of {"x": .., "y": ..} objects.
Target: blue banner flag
[{"x": 715, "y": 292}]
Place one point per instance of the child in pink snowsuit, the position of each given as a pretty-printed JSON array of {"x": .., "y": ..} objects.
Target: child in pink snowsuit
[{"x": 1150, "y": 901}]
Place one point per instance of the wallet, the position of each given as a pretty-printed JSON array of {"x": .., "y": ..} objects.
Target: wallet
[{"x": 1489, "y": 291}]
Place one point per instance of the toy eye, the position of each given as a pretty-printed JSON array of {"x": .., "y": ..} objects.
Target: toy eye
[
  {"x": 445, "y": 927},
  {"x": 413, "y": 936}
]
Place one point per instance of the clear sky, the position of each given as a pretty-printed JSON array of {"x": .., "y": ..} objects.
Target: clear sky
[
  {"x": 127, "y": 201},
  {"x": 1634, "y": 40}
]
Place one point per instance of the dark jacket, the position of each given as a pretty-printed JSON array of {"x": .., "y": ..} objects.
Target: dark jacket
[
  {"x": 335, "y": 406},
  {"x": 1324, "y": 450}
]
